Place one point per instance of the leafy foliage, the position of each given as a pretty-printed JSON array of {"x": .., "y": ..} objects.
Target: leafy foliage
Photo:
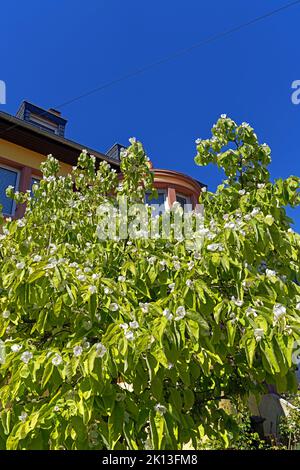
[
  {"x": 290, "y": 424},
  {"x": 131, "y": 344},
  {"x": 242, "y": 435}
]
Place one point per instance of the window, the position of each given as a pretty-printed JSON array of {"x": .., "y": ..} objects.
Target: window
[
  {"x": 184, "y": 201},
  {"x": 8, "y": 177},
  {"x": 43, "y": 123},
  {"x": 159, "y": 201}
]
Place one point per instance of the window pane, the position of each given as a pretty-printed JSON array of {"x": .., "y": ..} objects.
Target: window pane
[
  {"x": 7, "y": 178},
  {"x": 181, "y": 200},
  {"x": 185, "y": 202},
  {"x": 34, "y": 181},
  {"x": 159, "y": 200}
]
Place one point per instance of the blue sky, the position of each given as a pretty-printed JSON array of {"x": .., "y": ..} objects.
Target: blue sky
[{"x": 54, "y": 51}]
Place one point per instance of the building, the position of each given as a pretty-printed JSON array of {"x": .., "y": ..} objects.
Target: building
[{"x": 27, "y": 138}]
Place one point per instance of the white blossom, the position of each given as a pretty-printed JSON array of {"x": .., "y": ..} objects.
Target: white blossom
[
  {"x": 26, "y": 356},
  {"x": 242, "y": 192},
  {"x": 204, "y": 231},
  {"x": 237, "y": 302},
  {"x": 23, "y": 416},
  {"x": 162, "y": 264},
  {"x": 53, "y": 248},
  {"x": 270, "y": 273},
  {"x": 78, "y": 350},
  {"x": 168, "y": 314},
  {"x": 230, "y": 225},
  {"x": 81, "y": 277},
  {"x": 258, "y": 333},
  {"x": 134, "y": 324},
  {"x": 6, "y": 314},
  {"x": 215, "y": 247},
  {"x": 37, "y": 258},
  {"x": 279, "y": 311},
  {"x": 144, "y": 307},
  {"x": 129, "y": 335},
  {"x": 161, "y": 409},
  {"x": 298, "y": 306},
  {"x": 124, "y": 326},
  {"x": 251, "y": 311},
  {"x": 114, "y": 307},
  {"x": 288, "y": 330},
  {"x": 189, "y": 283},
  {"x": 176, "y": 265},
  {"x": 180, "y": 313},
  {"x": 269, "y": 218},
  {"x": 191, "y": 264},
  {"x": 16, "y": 348},
  {"x": 121, "y": 278},
  {"x": 101, "y": 349},
  {"x": 73, "y": 265},
  {"x": 255, "y": 211},
  {"x": 20, "y": 265},
  {"x": 57, "y": 359},
  {"x": 92, "y": 289}
]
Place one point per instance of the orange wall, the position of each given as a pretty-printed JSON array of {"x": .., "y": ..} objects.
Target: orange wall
[
  {"x": 27, "y": 162},
  {"x": 25, "y": 157}
]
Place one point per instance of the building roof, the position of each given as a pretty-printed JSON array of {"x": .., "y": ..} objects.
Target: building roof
[
  {"x": 183, "y": 177},
  {"x": 22, "y": 133}
]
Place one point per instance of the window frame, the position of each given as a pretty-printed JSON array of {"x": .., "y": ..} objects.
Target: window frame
[
  {"x": 188, "y": 200},
  {"x": 18, "y": 173}
]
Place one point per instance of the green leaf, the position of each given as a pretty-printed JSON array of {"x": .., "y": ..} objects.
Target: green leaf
[
  {"x": 189, "y": 399},
  {"x": 250, "y": 347},
  {"x": 35, "y": 275}
]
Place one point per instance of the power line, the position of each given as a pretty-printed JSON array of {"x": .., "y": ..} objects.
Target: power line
[
  {"x": 180, "y": 53},
  {"x": 170, "y": 57}
]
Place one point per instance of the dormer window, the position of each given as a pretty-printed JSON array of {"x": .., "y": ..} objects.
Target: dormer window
[
  {"x": 48, "y": 120},
  {"x": 44, "y": 124}
]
